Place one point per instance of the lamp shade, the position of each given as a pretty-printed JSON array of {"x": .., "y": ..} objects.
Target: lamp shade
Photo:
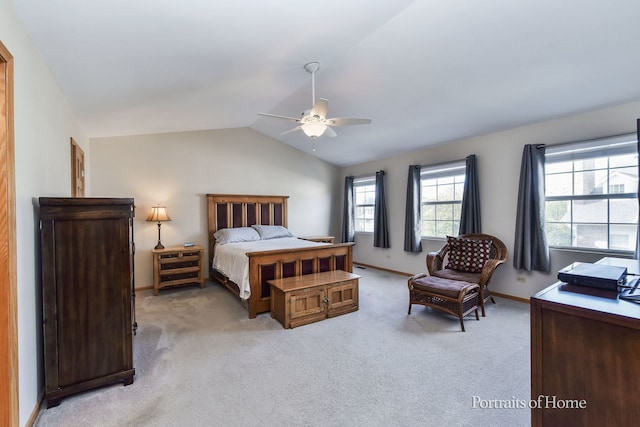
[{"x": 158, "y": 213}]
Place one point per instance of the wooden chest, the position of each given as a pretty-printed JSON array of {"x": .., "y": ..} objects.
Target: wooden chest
[{"x": 300, "y": 300}]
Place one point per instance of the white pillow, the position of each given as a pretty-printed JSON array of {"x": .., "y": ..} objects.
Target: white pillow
[
  {"x": 272, "y": 231},
  {"x": 238, "y": 234}
]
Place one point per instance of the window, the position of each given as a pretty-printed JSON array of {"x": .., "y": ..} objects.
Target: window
[
  {"x": 442, "y": 190},
  {"x": 364, "y": 190},
  {"x": 591, "y": 194}
]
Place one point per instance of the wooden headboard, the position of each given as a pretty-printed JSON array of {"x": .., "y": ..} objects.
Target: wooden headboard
[{"x": 240, "y": 210}]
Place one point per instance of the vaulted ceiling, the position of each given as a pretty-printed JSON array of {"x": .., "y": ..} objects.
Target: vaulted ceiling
[{"x": 425, "y": 72}]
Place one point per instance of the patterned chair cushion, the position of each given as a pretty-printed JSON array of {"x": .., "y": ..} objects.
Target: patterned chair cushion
[
  {"x": 468, "y": 255},
  {"x": 439, "y": 286},
  {"x": 463, "y": 276}
]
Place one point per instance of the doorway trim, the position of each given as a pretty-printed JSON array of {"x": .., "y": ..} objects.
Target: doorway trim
[{"x": 9, "y": 408}]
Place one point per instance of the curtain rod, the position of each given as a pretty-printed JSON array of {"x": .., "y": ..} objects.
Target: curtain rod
[
  {"x": 560, "y": 144},
  {"x": 452, "y": 162},
  {"x": 369, "y": 175}
]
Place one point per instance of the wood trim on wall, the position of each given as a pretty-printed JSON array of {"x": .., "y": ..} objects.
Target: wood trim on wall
[
  {"x": 77, "y": 170},
  {"x": 9, "y": 410}
]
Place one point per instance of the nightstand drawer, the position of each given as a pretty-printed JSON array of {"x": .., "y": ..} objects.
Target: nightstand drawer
[
  {"x": 164, "y": 257},
  {"x": 165, "y": 265}
]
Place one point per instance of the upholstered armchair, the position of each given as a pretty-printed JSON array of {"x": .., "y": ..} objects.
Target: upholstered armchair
[{"x": 469, "y": 258}]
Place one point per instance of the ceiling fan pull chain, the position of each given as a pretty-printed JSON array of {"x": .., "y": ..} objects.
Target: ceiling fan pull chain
[{"x": 313, "y": 87}]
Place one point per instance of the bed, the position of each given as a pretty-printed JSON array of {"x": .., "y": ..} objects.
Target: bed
[{"x": 227, "y": 211}]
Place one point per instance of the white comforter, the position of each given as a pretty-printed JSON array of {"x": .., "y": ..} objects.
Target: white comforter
[{"x": 232, "y": 260}]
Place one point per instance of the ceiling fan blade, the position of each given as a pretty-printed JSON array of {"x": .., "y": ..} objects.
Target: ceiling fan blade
[
  {"x": 275, "y": 116},
  {"x": 320, "y": 108},
  {"x": 330, "y": 132},
  {"x": 291, "y": 130},
  {"x": 344, "y": 121}
]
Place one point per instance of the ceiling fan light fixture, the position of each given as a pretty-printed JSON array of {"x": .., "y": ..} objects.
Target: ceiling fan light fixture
[
  {"x": 314, "y": 122},
  {"x": 314, "y": 130}
]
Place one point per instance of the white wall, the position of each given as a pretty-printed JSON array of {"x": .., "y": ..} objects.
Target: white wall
[
  {"x": 44, "y": 124},
  {"x": 178, "y": 170},
  {"x": 498, "y": 157}
]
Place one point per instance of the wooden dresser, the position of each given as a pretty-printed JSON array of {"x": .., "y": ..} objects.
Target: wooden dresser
[
  {"x": 87, "y": 293},
  {"x": 585, "y": 346}
]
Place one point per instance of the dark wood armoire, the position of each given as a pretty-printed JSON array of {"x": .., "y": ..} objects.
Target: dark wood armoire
[{"x": 87, "y": 293}]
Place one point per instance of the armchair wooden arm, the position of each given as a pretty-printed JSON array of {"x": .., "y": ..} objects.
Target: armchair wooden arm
[
  {"x": 435, "y": 260},
  {"x": 488, "y": 270}
]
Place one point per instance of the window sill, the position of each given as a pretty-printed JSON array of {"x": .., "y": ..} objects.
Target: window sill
[{"x": 603, "y": 252}]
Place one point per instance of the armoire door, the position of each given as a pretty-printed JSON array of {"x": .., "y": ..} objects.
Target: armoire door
[{"x": 94, "y": 315}]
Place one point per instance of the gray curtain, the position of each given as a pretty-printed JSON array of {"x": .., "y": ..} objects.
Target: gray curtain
[
  {"x": 380, "y": 227},
  {"x": 531, "y": 251},
  {"x": 412, "y": 226},
  {"x": 348, "y": 221},
  {"x": 470, "y": 215}
]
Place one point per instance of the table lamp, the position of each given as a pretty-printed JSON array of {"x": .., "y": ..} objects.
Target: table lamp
[{"x": 158, "y": 213}]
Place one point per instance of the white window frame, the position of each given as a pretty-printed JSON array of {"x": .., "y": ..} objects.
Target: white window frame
[
  {"x": 566, "y": 216},
  {"x": 439, "y": 213},
  {"x": 364, "y": 191}
]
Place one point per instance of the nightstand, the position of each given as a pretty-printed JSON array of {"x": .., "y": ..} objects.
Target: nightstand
[
  {"x": 321, "y": 239},
  {"x": 177, "y": 266}
]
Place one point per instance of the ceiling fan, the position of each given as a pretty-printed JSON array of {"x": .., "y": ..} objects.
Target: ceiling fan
[{"x": 314, "y": 122}]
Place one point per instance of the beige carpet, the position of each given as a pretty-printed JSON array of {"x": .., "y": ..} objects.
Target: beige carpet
[{"x": 201, "y": 362}]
